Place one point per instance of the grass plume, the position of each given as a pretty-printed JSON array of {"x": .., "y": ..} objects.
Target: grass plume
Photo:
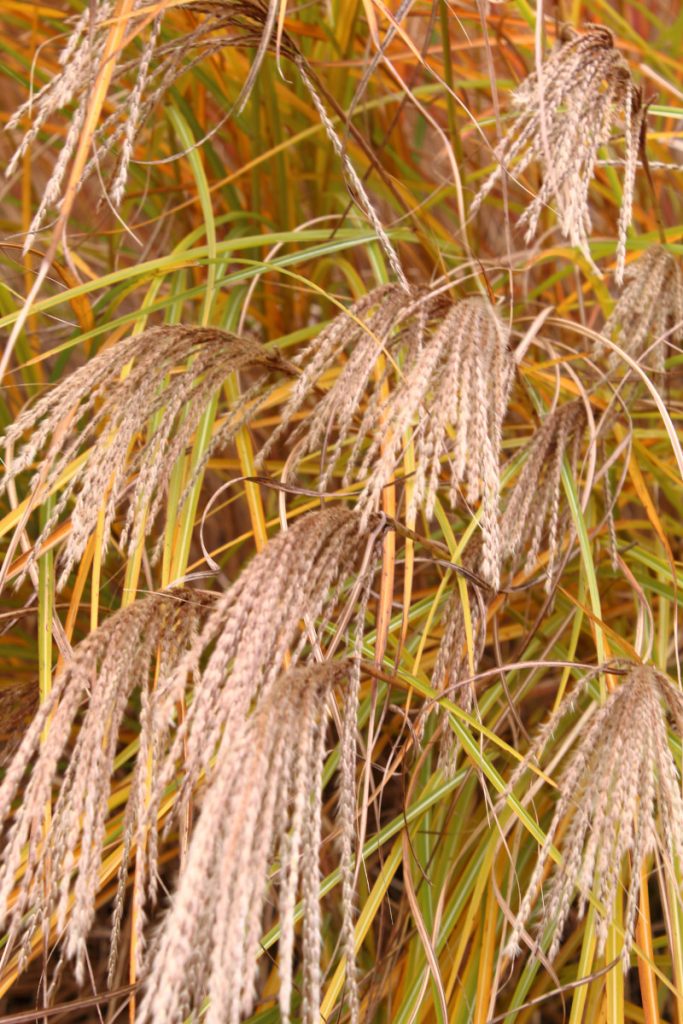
[
  {"x": 533, "y": 506},
  {"x": 621, "y": 792},
  {"x": 417, "y": 465},
  {"x": 567, "y": 110},
  {"x": 170, "y": 373},
  {"x": 262, "y": 805},
  {"x": 454, "y": 375},
  {"x": 60, "y": 869},
  {"x": 283, "y": 601},
  {"x": 649, "y": 312}
]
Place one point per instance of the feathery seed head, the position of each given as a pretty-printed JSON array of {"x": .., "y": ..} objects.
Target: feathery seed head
[
  {"x": 288, "y": 591},
  {"x": 107, "y": 405},
  {"x": 282, "y": 600},
  {"x": 154, "y": 70},
  {"x": 567, "y": 111},
  {"x": 356, "y": 338},
  {"x": 534, "y": 503},
  {"x": 238, "y": 23},
  {"x": 455, "y": 372},
  {"x": 61, "y": 867},
  {"x": 621, "y": 792},
  {"x": 649, "y": 307},
  {"x": 459, "y": 376},
  {"x": 263, "y": 803}
]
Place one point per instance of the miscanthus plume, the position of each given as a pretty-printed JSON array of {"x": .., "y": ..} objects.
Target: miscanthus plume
[
  {"x": 141, "y": 83},
  {"x": 261, "y": 807},
  {"x": 619, "y": 795},
  {"x": 315, "y": 574},
  {"x": 221, "y": 656},
  {"x": 157, "y": 65},
  {"x": 533, "y": 508},
  {"x": 453, "y": 373},
  {"x": 649, "y": 312},
  {"x": 118, "y": 424},
  {"x": 311, "y": 579},
  {"x": 566, "y": 111},
  {"x": 57, "y": 871}
]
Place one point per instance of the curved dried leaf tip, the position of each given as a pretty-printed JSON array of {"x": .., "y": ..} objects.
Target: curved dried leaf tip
[
  {"x": 263, "y": 804},
  {"x": 568, "y": 109},
  {"x": 622, "y": 794},
  {"x": 454, "y": 373},
  {"x": 649, "y": 311},
  {"x": 108, "y": 404},
  {"x": 59, "y": 871}
]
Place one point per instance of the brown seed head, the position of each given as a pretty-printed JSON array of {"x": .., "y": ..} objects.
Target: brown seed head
[
  {"x": 649, "y": 311},
  {"x": 533, "y": 507},
  {"x": 60, "y": 870},
  {"x": 104, "y": 409},
  {"x": 567, "y": 111},
  {"x": 621, "y": 792},
  {"x": 263, "y": 803}
]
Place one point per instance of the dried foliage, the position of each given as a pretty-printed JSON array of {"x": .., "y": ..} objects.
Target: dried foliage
[{"x": 417, "y": 468}]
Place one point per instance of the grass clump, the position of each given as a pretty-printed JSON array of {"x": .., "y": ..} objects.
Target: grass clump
[{"x": 339, "y": 505}]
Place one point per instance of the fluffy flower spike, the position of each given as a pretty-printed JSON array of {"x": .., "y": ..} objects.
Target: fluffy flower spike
[
  {"x": 568, "y": 110},
  {"x": 621, "y": 791}
]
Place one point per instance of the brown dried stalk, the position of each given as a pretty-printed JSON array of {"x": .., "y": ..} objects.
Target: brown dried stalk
[
  {"x": 567, "y": 111},
  {"x": 263, "y": 804},
  {"x": 109, "y": 403},
  {"x": 622, "y": 793},
  {"x": 649, "y": 311},
  {"x": 61, "y": 865}
]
